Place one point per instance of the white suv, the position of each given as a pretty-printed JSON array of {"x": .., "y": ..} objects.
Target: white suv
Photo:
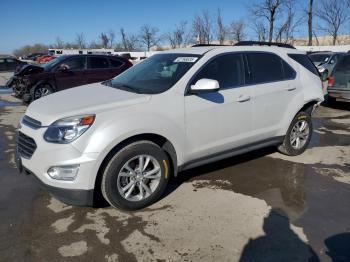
[{"x": 176, "y": 110}]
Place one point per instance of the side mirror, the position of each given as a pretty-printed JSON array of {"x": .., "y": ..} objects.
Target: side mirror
[
  {"x": 63, "y": 68},
  {"x": 205, "y": 85}
]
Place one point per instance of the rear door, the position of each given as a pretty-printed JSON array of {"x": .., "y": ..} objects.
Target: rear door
[
  {"x": 98, "y": 69},
  {"x": 73, "y": 76},
  {"x": 273, "y": 90}
]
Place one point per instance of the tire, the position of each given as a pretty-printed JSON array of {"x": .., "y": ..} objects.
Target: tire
[
  {"x": 297, "y": 131},
  {"x": 122, "y": 188},
  {"x": 40, "y": 90},
  {"x": 331, "y": 101}
]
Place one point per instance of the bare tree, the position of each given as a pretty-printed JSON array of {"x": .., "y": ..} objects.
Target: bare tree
[
  {"x": 237, "y": 29},
  {"x": 309, "y": 21},
  {"x": 129, "y": 43},
  {"x": 268, "y": 9},
  {"x": 202, "y": 28},
  {"x": 285, "y": 32},
  {"x": 80, "y": 40},
  {"x": 111, "y": 37},
  {"x": 30, "y": 49},
  {"x": 148, "y": 36},
  {"x": 178, "y": 36},
  {"x": 260, "y": 29},
  {"x": 333, "y": 14},
  {"x": 59, "y": 43},
  {"x": 104, "y": 40},
  {"x": 220, "y": 28}
]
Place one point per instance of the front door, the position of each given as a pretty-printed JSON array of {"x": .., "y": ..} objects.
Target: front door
[
  {"x": 219, "y": 121},
  {"x": 72, "y": 75}
]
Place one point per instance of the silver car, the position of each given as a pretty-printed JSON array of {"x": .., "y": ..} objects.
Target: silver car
[{"x": 325, "y": 62}]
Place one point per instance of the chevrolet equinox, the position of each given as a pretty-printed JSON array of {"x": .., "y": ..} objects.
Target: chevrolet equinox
[{"x": 176, "y": 110}]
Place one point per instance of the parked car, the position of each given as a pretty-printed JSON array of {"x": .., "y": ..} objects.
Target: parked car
[
  {"x": 339, "y": 81},
  {"x": 173, "y": 111},
  {"x": 33, "y": 82},
  {"x": 33, "y": 56},
  {"x": 44, "y": 59},
  {"x": 10, "y": 64},
  {"x": 330, "y": 60}
]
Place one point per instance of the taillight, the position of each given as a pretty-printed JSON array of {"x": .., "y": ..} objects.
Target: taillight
[{"x": 331, "y": 81}]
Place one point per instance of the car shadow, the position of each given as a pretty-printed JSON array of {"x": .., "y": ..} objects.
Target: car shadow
[
  {"x": 338, "y": 247},
  {"x": 196, "y": 172}
]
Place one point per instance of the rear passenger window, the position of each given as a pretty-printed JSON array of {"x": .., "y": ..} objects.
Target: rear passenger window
[
  {"x": 115, "y": 63},
  {"x": 226, "y": 69},
  {"x": 305, "y": 61},
  {"x": 344, "y": 64},
  {"x": 265, "y": 67},
  {"x": 98, "y": 62}
]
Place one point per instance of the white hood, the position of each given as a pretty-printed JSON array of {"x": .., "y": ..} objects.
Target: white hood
[{"x": 87, "y": 99}]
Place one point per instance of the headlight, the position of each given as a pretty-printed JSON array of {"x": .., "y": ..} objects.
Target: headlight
[
  {"x": 66, "y": 130},
  {"x": 321, "y": 69}
]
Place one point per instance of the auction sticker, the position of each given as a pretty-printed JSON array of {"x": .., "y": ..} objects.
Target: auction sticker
[{"x": 186, "y": 59}]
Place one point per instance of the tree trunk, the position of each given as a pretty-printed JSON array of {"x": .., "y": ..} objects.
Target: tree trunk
[
  {"x": 271, "y": 30},
  {"x": 310, "y": 21},
  {"x": 335, "y": 36}
]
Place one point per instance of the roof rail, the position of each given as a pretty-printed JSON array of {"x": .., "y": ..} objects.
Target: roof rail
[
  {"x": 200, "y": 45},
  {"x": 247, "y": 43}
]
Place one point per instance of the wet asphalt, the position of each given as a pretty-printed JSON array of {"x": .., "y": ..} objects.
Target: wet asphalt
[{"x": 259, "y": 206}]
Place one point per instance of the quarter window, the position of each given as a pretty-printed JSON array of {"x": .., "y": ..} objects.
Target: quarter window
[
  {"x": 115, "y": 63},
  {"x": 98, "y": 62},
  {"x": 226, "y": 69}
]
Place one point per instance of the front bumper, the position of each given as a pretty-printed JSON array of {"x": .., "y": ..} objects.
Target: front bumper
[
  {"x": 75, "y": 197},
  {"x": 80, "y": 191}
]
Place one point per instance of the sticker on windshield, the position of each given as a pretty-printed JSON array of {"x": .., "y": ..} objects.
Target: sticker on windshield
[{"x": 188, "y": 59}]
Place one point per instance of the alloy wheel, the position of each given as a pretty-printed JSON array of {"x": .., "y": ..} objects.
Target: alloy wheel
[
  {"x": 299, "y": 134},
  {"x": 139, "y": 178}
]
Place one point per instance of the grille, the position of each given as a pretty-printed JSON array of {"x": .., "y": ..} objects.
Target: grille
[
  {"x": 32, "y": 123},
  {"x": 25, "y": 145}
]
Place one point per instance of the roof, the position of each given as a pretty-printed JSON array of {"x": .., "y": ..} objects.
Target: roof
[{"x": 201, "y": 50}]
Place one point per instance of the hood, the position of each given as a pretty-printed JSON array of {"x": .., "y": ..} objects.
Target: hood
[
  {"x": 29, "y": 70},
  {"x": 87, "y": 99}
]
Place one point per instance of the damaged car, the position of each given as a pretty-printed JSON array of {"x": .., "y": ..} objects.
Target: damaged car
[{"x": 32, "y": 82}]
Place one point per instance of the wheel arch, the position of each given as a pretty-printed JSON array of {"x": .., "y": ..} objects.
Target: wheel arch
[{"x": 161, "y": 141}]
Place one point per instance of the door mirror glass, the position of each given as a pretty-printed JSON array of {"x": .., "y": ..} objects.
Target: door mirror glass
[
  {"x": 63, "y": 67},
  {"x": 205, "y": 85}
]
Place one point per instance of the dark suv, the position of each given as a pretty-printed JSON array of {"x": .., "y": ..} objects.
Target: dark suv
[{"x": 67, "y": 71}]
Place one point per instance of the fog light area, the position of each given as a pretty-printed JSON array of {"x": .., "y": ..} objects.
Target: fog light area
[{"x": 67, "y": 173}]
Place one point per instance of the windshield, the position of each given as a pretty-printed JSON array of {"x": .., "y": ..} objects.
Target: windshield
[
  {"x": 318, "y": 58},
  {"x": 155, "y": 74},
  {"x": 53, "y": 62}
]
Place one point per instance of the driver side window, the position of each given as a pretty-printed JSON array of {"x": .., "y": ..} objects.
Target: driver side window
[{"x": 226, "y": 69}]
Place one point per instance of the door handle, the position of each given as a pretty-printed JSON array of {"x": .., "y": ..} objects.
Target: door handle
[
  {"x": 243, "y": 98},
  {"x": 291, "y": 88}
]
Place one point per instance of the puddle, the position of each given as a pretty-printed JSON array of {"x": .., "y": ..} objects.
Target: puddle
[
  {"x": 7, "y": 103},
  {"x": 4, "y": 90}
]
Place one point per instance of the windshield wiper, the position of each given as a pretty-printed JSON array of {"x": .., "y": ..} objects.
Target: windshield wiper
[{"x": 127, "y": 88}]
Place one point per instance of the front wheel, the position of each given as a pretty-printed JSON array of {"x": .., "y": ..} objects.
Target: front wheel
[
  {"x": 40, "y": 90},
  {"x": 136, "y": 176},
  {"x": 298, "y": 135}
]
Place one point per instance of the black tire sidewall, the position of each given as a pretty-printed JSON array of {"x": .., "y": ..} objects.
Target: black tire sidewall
[
  {"x": 32, "y": 93},
  {"x": 300, "y": 116},
  {"x": 110, "y": 175}
]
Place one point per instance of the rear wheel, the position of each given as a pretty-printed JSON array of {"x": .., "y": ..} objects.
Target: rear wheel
[
  {"x": 41, "y": 90},
  {"x": 136, "y": 176},
  {"x": 298, "y": 135}
]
